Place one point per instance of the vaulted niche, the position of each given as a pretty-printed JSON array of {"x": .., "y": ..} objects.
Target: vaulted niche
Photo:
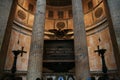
[
  {"x": 21, "y": 30},
  {"x": 98, "y": 36},
  {"x": 58, "y": 37}
]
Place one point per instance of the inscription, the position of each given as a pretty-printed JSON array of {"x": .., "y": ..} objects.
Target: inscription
[{"x": 59, "y": 50}]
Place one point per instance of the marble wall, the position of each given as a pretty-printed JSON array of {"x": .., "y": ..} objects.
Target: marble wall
[
  {"x": 94, "y": 15},
  {"x": 24, "y": 17},
  {"x": 103, "y": 39},
  {"x": 24, "y": 40},
  {"x": 91, "y": 17},
  {"x": 98, "y": 34}
]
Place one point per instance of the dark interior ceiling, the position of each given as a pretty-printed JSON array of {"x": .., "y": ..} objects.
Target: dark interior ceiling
[{"x": 59, "y": 2}]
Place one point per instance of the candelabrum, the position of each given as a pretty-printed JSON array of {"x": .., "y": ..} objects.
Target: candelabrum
[
  {"x": 16, "y": 53},
  {"x": 101, "y": 53}
]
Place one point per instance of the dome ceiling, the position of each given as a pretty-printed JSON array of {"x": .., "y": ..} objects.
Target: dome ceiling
[{"x": 59, "y": 2}]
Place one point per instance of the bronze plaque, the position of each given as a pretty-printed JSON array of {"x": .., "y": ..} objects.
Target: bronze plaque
[{"x": 58, "y": 50}]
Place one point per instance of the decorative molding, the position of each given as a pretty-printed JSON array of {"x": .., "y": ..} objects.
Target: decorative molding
[
  {"x": 97, "y": 27},
  {"x": 22, "y": 25},
  {"x": 22, "y": 29}
]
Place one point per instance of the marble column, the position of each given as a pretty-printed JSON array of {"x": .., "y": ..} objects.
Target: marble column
[
  {"x": 81, "y": 51},
  {"x": 36, "y": 50},
  {"x": 114, "y": 9},
  {"x": 7, "y": 12},
  {"x": 113, "y": 14},
  {"x": 5, "y": 7}
]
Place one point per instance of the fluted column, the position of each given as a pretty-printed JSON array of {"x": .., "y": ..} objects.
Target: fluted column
[
  {"x": 36, "y": 50},
  {"x": 81, "y": 51}
]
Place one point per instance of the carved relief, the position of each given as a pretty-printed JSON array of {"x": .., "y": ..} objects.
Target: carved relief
[
  {"x": 60, "y": 25},
  {"x": 21, "y": 14},
  {"x": 98, "y": 12}
]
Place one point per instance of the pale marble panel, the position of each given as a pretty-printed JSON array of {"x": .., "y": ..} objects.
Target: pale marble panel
[
  {"x": 70, "y": 24},
  {"x": 31, "y": 19},
  {"x": 104, "y": 42},
  {"x": 24, "y": 40},
  {"x": 49, "y": 24},
  {"x": 25, "y": 4},
  {"x": 88, "y": 19}
]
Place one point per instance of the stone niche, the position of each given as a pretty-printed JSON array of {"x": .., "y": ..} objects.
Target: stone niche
[
  {"x": 103, "y": 39},
  {"x": 98, "y": 34},
  {"x": 18, "y": 39}
]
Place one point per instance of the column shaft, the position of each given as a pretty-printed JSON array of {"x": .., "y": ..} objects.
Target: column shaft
[
  {"x": 36, "y": 50},
  {"x": 7, "y": 12},
  {"x": 81, "y": 51},
  {"x": 113, "y": 15}
]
